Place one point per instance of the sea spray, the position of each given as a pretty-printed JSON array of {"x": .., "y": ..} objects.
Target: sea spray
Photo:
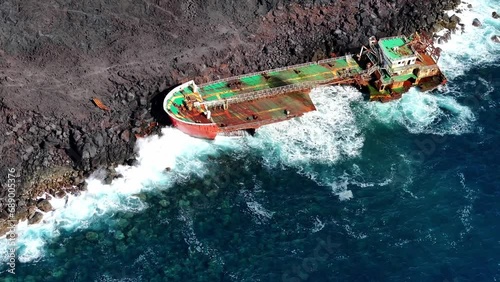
[
  {"x": 319, "y": 143},
  {"x": 475, "y": 46},
  {"x": 429, "y": 113},
  {"x": 324, "y": 136},
  {"x": 183, "y": 155}
]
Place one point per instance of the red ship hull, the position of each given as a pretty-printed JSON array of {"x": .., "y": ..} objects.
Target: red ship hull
[{"x": 206, "y": 131}]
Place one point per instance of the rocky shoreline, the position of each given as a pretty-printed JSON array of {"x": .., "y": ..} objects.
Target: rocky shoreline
[{"x": 54, "y": 61}]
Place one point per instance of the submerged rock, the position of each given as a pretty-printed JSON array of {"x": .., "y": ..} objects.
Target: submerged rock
[
  {"x": 164, "y": 203},
  {"x": 119, "y": 235},
  {"x": 58, "y": 273},
  {"x": 92, "y": 236}
]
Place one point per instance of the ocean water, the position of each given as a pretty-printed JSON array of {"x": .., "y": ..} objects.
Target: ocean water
[{"x": 356, "y": 191}]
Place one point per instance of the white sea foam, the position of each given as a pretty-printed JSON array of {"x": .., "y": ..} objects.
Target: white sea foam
[
  {"x": 475, "y": 46},
  {"x": 194, "y": 243},
  {"x": 357, "y": 235},
  {"x": 318, "y": 225},
  {"x": 442, "y": 114},
  {"x": 107, "y": 278},
  {"x": 342, "y": 184},
  {"x": 425, "y": 113},
  {"x": 183, "y": 154},
  {"x": 345, "y": 195},
  {"x": 465, "y": 212},
  {"x": 321, "y": 137},
  {"x": 262, "y": 213},
  {"x": 259, "y": 212}
]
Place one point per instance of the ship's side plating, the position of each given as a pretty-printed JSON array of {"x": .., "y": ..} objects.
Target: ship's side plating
[{"x": 200, "y": 130}]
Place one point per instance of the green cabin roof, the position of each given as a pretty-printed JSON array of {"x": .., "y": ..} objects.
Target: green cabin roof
[{"x": 390, "y": 45}]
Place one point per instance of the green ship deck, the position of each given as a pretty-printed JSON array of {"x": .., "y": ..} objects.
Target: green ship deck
[{"x": 303, "y": 76}]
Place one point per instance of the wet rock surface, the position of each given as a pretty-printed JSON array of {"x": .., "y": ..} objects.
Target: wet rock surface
[
  {"x": 476, "y": 23},
  {"x": 127, "y": 53}
]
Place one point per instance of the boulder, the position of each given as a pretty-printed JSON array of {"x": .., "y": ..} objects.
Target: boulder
[
  {"x": 455, "y": 19},
  {"x": 437, "y": 27},
  {"x": 60, "y": 194},
  {"x": 99, "y": 139},
  {"x": 495, "y": 15},
  {"x": 496, "y": 38},
  {"x": 92, "y": 236},
  {"x": 36, "y": 218},
  {"x": 108, "y": 180},
  {"x": 21, "y": 212},
  {"x": 29, "y": 149},
  {"x": 125, "y": 136},
  {"x": 130, "y": 96},
  {"x": 447, "y": 36},
  {"x": 119, "y": 235},
  {"x": 476, "y": 23},
  {"x": 44, "y": 205}
]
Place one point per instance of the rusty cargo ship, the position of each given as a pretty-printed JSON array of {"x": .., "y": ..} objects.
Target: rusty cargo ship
[{"x": 231, "y": 106}]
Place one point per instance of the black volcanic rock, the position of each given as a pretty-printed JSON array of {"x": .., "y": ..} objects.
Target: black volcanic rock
[
  {"x": 36, "y": 218},
  {"x": 44, "y": 205},
  {"x": 476, "y": 23}
]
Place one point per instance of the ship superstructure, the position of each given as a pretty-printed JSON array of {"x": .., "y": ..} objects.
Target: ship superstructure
[{"x": 385, "y": 70}]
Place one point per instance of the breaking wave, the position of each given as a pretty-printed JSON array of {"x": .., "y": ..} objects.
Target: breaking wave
[
  {"x": 474, "y": 46},
  {"x": 440, "y": 113},
  {"x": 184, "y": 156},
  {"x": 316, "y": 143},
  {"x": 425, "y": 113},
  {"x": 324, "y": 136}
]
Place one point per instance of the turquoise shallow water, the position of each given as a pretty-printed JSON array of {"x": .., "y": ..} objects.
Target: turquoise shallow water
[{"x": 356, "y": 191}]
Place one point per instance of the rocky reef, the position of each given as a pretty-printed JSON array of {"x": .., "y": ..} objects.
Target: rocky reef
[{"x": 56, "y": 56}]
